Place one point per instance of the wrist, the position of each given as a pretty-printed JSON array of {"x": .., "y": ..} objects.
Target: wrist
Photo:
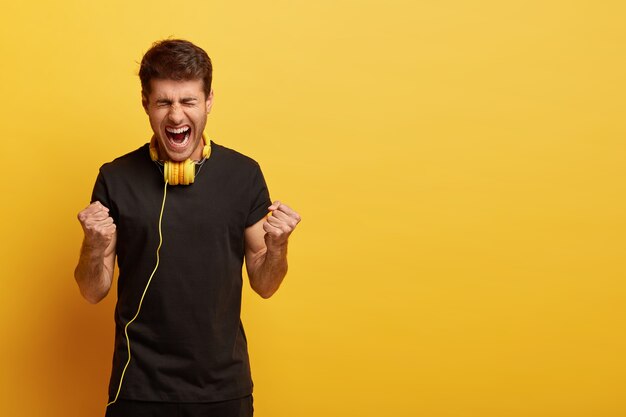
[
  {"x": 276, "y": 250},
  {"x": 94, "y": 248}
]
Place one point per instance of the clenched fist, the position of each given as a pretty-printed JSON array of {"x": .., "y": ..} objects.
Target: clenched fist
[
  {"x": 98, "y": 226},
  {"x": 280, "y": 224}
]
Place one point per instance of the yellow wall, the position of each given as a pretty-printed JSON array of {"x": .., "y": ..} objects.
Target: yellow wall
[{"x": 460, "y": 167}]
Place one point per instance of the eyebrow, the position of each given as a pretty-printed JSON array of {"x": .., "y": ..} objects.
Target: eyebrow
[{"x": 167, "y": 100}]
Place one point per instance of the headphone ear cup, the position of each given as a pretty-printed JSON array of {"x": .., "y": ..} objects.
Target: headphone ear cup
[
  {"x": 188, "y": 172},
  {"x": 206, "y": 151},
  {"x": 170, "y": 172},
  {"x": 172, "y": 177},
  {"x": 176, "y": 173},
  {"x": 166, "y": 171}
]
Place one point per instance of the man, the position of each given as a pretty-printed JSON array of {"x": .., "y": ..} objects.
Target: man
[{"x": 180, "y": 347}]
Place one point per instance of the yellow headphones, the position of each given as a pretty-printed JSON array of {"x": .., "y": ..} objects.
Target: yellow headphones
[{"x": 175, "y": 173}]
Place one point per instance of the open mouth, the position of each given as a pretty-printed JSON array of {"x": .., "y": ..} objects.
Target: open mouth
[{"x": 178, "y": 137}]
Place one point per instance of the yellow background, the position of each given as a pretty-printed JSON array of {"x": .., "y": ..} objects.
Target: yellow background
[{"x": 459, "y": 166}]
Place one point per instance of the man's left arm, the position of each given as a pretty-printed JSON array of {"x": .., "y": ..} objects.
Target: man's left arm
[{"x": 266, "y": 248}]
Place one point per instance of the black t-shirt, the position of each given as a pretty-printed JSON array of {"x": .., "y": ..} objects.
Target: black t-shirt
[{"x": 188, "y": 343}]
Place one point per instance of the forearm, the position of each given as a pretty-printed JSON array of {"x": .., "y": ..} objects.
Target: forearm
[
  {"x": 266, "y": 248},
  {"x": 92, "y": 274},
  {"x": 269, "y": 271}
]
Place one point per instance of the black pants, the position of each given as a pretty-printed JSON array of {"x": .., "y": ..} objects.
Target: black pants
[{"x": 241, "y": 407}]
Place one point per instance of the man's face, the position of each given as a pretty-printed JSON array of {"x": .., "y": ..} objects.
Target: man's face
[{"x": 178, "y": 111}]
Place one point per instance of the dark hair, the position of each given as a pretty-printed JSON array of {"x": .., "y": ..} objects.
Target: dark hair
[{"x": 175, "y": 59}]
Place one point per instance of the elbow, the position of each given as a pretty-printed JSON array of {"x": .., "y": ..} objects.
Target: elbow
[
  {"x": 265, "y": 291},
  {"x": 93, "y": 297},
  {"x": 265, "y": 294},
  {"x": 267, "y": 284}
]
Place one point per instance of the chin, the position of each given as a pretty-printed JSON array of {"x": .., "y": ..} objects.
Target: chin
[{"x": 178, "y": 157}]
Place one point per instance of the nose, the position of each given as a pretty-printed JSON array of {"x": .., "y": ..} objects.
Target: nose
[{"x": 175, "y": 114}]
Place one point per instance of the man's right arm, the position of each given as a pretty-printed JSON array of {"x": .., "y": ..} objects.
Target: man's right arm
[{"x": 94, "y": 272}]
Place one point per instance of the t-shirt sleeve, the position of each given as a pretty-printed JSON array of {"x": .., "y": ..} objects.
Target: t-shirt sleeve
[
  {"x": 101, "y": 193},
  {"x": 259, "y": 198}
]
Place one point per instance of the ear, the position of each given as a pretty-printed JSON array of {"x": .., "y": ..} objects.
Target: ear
[
  {"x": 209, "y": 102},
  {"x": 144, "y": 102}
]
